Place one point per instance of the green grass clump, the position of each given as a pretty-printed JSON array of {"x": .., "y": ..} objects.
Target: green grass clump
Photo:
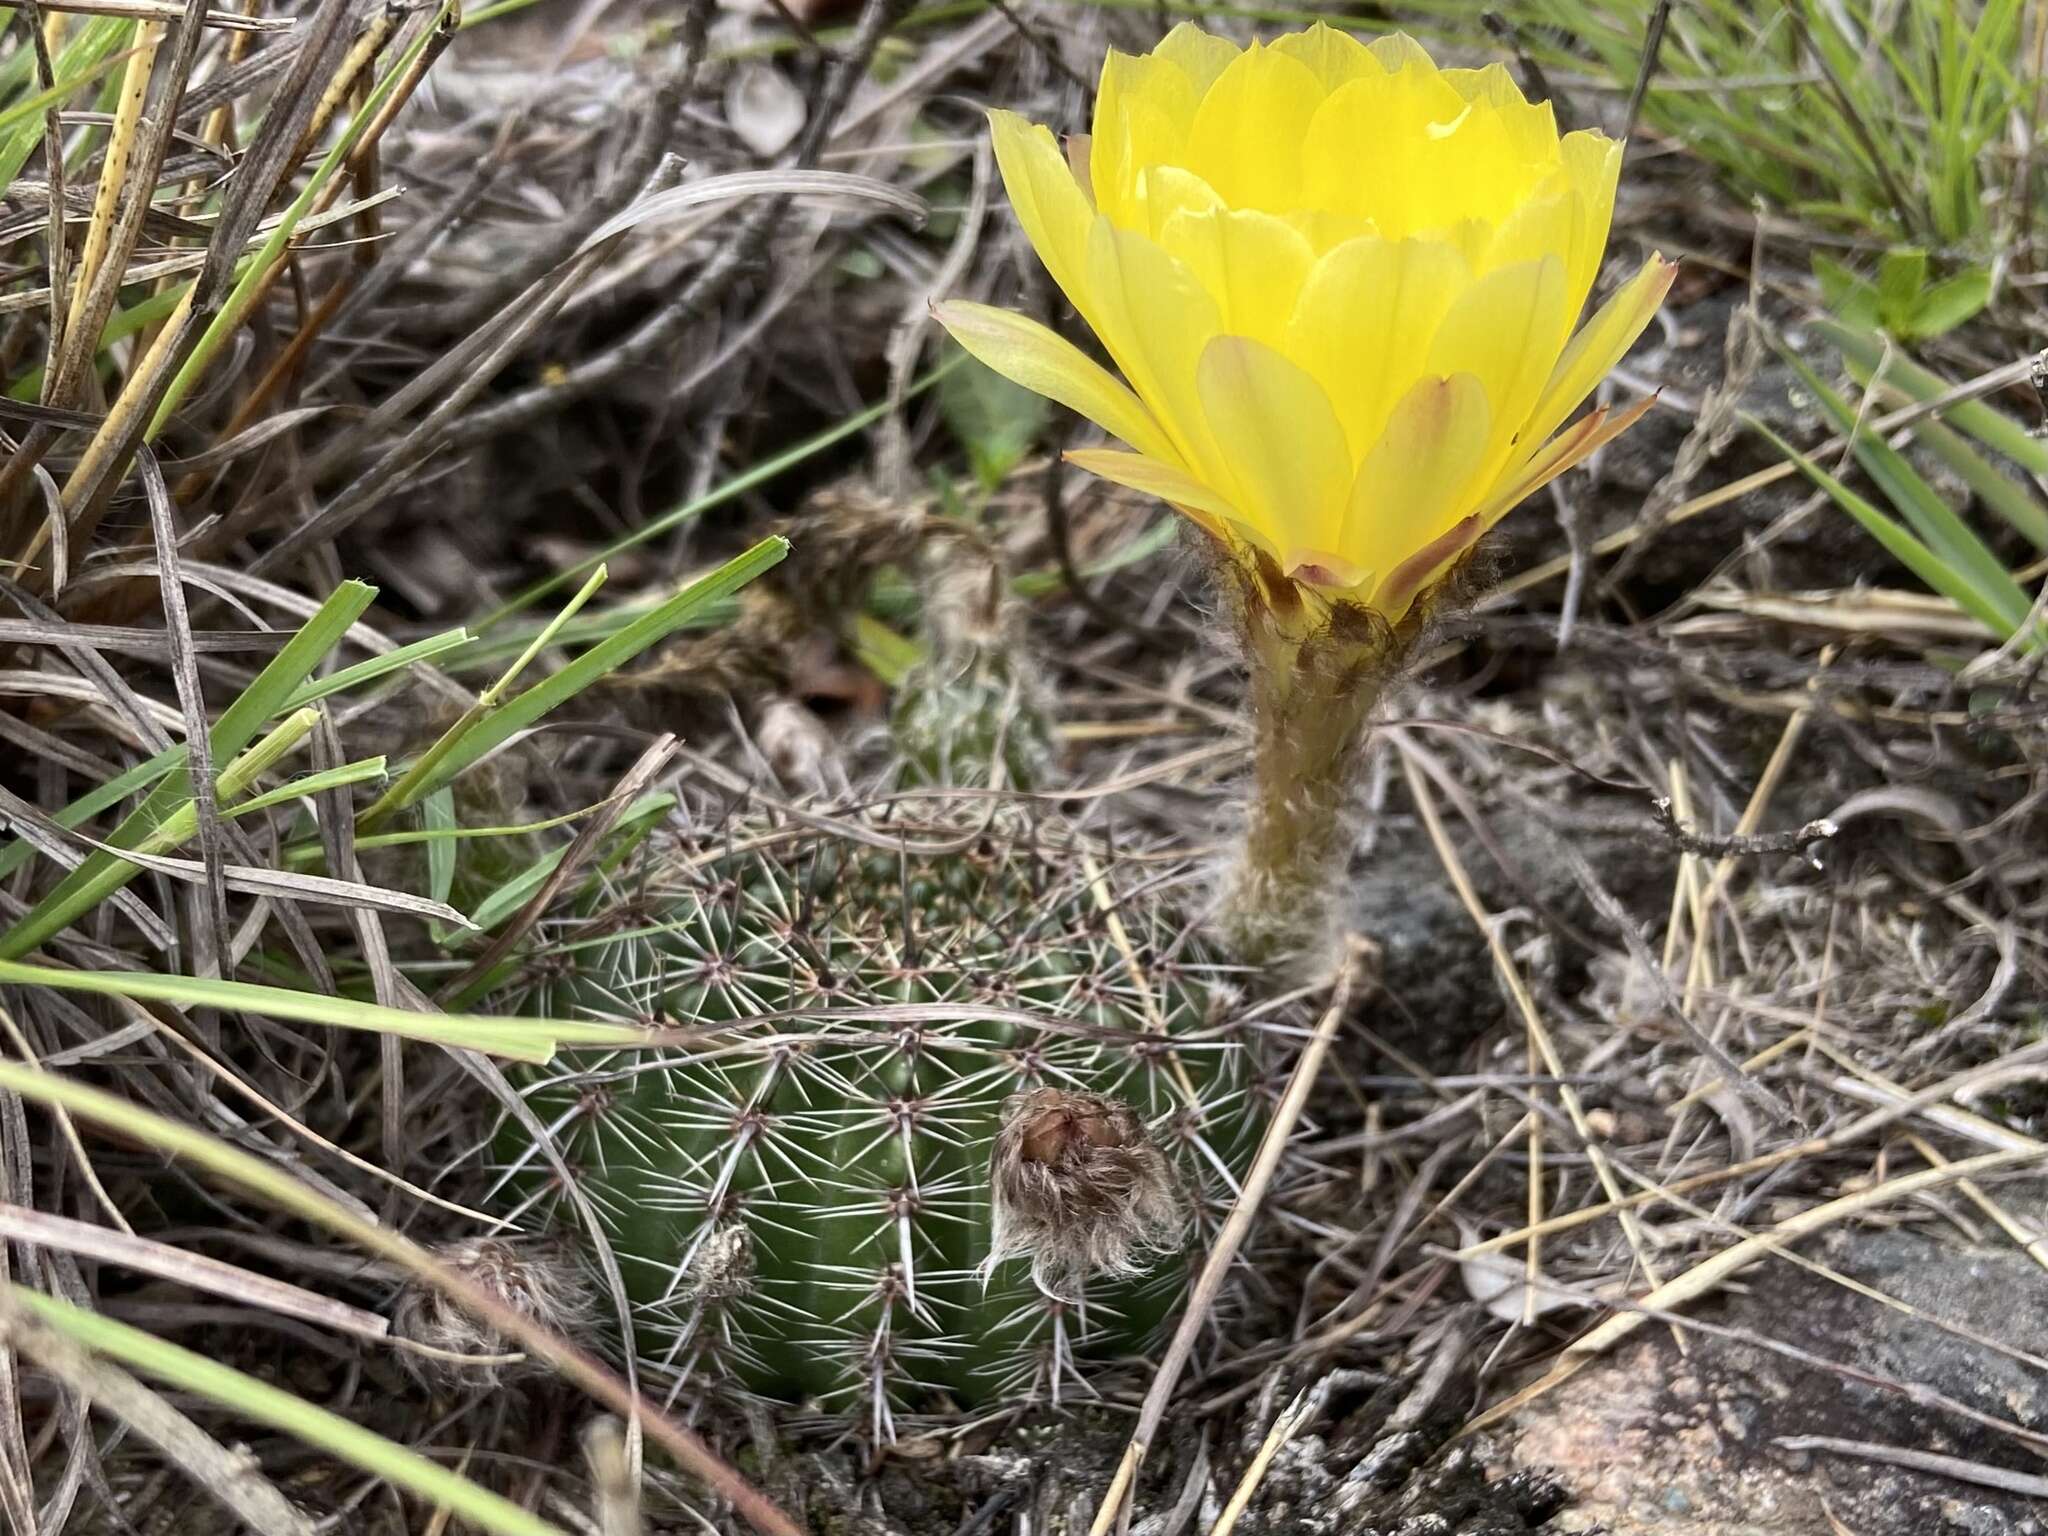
[
  {"x": 1877, "y": 117},
  {"x": 1915, "y": 524}
]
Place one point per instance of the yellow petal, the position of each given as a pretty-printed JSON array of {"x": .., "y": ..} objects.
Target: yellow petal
[
  {"x": 1152, "y": 78},
  {"x": 1593, "y": 162},
  {"x": 1079, "y": 150},
  {"x": 1473, "y": 239},
  {"x": 1545, "y": 223},
  {"x": 1026, "y": 353},
  {"x": 1180, "y": 490},
  {"x": 1398, "y": 51},
  {"x": 1325, "y": 229},
  {"x": 1324, "y": 568},
  {"x": 1415, "y": 481},
  {"x": 1170, "y": 190},
  {"x": 1202, "y": 56},
  {"x": 1561, "y": 215},
  {"x": 1332, "y": 56},
  {"x": 1251, "y": 263},
  {"x": 1599, "y": 345},
  {"x": 1048, "y": 200},
  {"x": 1531, "y": 125},
  {"x": 1154, "y": 319},
  {"x": 1508, "y": 329},
  {"x": 1339, "y": 284},
  {"x": 1143, "y": 110},
  {"x": 1597, "y": 429},
  {"x": 1248, "y": 131},
  {"x": 1394, "y": 596},
  {"x": 1362, "y": 151},
  {"x": 1468, "y": 168},
  {"x": 1273, "y": 425},
  {"x": 1364, "y": 321}
]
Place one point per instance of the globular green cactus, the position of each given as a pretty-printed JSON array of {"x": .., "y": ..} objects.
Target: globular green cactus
[
  {"x": 966, "y": 713},
  {"x": 973, "y": 712},
  {"x": 952, "y": 1123},
  {"x": 956, "y": 1102}
]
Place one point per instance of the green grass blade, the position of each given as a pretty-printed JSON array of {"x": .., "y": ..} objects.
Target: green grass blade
[
  {"x": 273, "y": 691},
  {"x": 236, "y": 306},
  {"x": 125, "y": 321},
  {"x": 86, "y": 58},
  {"x": 512, "y": 894},
  {"x": 493, "y": 730},
  {"x": 284, "y": 1192},
  {"x": 1951, "y": 539},
  {"x": 481, "y": 655},
  {"x": 1999, "y": 491},
  {"x": 100, "y": 874},
  {"x": 493, "y": 12},
  {"x": 407, "y": 790},
  {"x": 1899, "y": 543},
  {"x": 142, "y": 775},
  {"x": 642, "y": 815},
  {"x": 1990, "y": 426},
  {"x": 343, "y": 679},
  {"x": 365, "y": 770},
  {"x": 93, "y": 801},
  {"x": 262, "y": 1403},
  {"x": 21, "y": 123},
  {"x": 518, "y": 1039},
  {"x": 437, "y": 814}
]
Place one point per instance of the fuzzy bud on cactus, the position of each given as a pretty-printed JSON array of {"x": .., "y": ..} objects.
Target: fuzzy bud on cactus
[
  {"x": 540, "y": 1280},
  {"x": 1080, "y": 1189},
  {"x": 1341, "y": 286}
]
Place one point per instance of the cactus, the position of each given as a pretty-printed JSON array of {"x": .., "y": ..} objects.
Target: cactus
[
  {"x": 973, "y": 712},
  {"x": 951, "y": 1111},
  {"x": 946, "y": 1132},
  {"x": 966, "y": 711}
]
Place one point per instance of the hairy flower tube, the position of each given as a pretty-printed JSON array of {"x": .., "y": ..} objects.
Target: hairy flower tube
[{"x": 1340, "y": 285}]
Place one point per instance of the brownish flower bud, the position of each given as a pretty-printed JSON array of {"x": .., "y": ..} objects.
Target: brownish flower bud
[
  {"x": 539, "y": 1280},
  {"x": 1080, "y": 1189}
]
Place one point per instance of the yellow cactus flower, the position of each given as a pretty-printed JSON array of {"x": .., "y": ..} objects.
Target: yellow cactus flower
[{"x": 1340, "y": 285}]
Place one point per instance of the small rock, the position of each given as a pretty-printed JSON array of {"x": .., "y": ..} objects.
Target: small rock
[
  {"x": 1650, "y": 1443},
  {"x": 764, "y": 108}
]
